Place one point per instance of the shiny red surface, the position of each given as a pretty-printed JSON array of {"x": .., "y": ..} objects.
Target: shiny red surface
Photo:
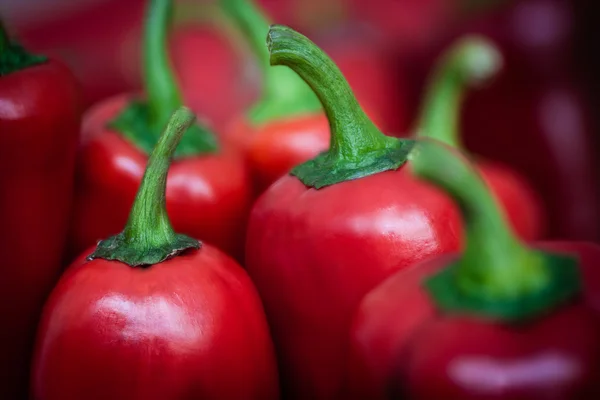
[
  {"x": 40, "y": 112},
  {"x": 188, "y": 328},
  {"x": 313, "y": 254},
  {"x": 208, "y": 197},
  {"x": 273, "y": 149},
  {"x": 403, "y": 348}
]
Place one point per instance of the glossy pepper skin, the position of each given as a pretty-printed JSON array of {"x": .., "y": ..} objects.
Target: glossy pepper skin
[
  {"x": 40, "y": 112},
  {"x": 208, "y": 178},
  {"x": 408, "y": 344},
  {"x": 152, "y": 314},
  {"x": 320, "y": 238}
]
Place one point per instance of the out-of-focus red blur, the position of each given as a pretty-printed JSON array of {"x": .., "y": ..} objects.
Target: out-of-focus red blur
[{"x": 539, "y": 117}]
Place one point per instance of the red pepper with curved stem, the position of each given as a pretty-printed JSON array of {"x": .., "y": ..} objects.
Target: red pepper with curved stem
[
  {"x": 209, "y": 192},
  {"x": 323, "y": 236},
  {"x": 40, "y": 113},
  {"x": 502, "y": 320},
  {"x": 152, "y": 315},
  {"x": 322, "y": 217},
  {"x": 537, "y": 108},
  {"x": 287, "y": 126},
  {"x": 473, "y": 60}
]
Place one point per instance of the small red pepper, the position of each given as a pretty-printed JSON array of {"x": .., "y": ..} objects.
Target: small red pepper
[
  {"x": 40, "y": 113},
  {"x": 209, "y": 191},
  {"x": 152, "y": 315},
  {"x": 502, "y": 320},
  {"x": 287, "y": 126}
]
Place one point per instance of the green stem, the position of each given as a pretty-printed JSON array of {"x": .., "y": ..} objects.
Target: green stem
[
  {"x": 148, "y": 237},
  {"x": 284, "y": 94},
  {"x": 357, "y": 146},
  {"x": 497, "y": 275},
  {"x": 141, "y": 121},
  {"x": 162, "y": 93},
  {"x": 469, "y": 62},
  {"x": 13, "y": 57}
]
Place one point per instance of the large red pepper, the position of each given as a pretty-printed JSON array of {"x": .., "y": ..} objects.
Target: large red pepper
[
  {"x": 209, "y": 193},
  {"x": 152, "y": 315},
  {"x": 321, "y": 237},
  {"x": 502, "y": 320},
  {"x": 536, "y": 108},
  {"x": 40, "y": 113}
]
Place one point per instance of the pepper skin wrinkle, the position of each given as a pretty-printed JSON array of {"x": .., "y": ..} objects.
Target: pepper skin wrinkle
[
  {"x": 40, "y": 114},
  {"x": 154, "y": 314}
]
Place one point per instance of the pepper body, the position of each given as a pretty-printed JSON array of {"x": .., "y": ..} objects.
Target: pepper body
[
  {"x": 208, "y": 196},
  {"x": 40, "y": 113},
  {"x": 187, "y": 328},
  {"x": 403, "y": 347},
  {"x": 313, "y": 254},
  {"x": 371, "y": 228},
  {"x": 272, "y": 149}
]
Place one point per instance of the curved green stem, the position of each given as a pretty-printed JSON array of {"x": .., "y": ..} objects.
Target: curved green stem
[
  {"x": 497, "y": 275},
  {"x": 148, "y": 237},
  {"x": 357, "y": 147},
  {"x": 161, "y": 88},
  {"x": 141, "y": 121},
  {"x": 469, "y": 62},
  {"x": 284, "y": 94}
]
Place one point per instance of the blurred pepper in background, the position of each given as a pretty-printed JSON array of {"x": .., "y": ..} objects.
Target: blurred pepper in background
[{"x": 535, "y": 117}]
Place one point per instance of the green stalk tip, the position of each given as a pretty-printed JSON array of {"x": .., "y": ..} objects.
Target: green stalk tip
[{"x": 148, "y": 237}]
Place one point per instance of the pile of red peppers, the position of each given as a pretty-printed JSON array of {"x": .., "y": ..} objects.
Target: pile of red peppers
[{"x": 411, "y": 214}]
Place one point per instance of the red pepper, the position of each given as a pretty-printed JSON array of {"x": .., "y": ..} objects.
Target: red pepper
[
  {"x": 502, "y": 320},
  {"x": 209, "y": 193},
  {"x": 152, "y": 315},
  {"x": 287, "y": 126},
  {"x": 473, "y": 60},
  {"x": 40, "y": 113},
  {"x": 321, "y": 237},
  {"x": 536, "y": 108}
]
